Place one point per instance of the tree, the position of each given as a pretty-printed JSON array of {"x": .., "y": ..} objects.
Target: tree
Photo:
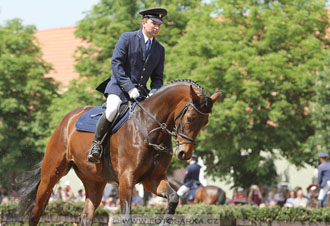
[
  {"x": 264, "y": 57},
  {"x": 25, "y": 95},
  {"x": 320, "y": 113}
]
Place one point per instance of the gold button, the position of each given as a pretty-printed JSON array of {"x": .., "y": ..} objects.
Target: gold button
[
  {"x": 141, "y": 76},
  {"x": 144, "y": 69}
]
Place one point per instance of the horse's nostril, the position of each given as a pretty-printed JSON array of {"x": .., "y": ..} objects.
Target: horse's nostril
[{"x": 182, "y": 155}]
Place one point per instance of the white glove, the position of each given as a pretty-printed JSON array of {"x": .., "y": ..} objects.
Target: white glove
[
  {"x": 151, "y": 92},
  {"x": 134, "y": 93}
]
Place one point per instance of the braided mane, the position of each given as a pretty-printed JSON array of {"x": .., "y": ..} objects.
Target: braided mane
[{"x": 195, "y": 84}]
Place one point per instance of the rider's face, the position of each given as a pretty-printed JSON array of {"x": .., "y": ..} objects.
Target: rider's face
[{"x": 150, "y": 27}]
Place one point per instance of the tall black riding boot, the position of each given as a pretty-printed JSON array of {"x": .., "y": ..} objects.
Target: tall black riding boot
[{"x": 101, "y": 128}]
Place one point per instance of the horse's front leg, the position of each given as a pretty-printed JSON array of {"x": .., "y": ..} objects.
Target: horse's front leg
[
  {"x": 172, "y": 197},
  {"x": 125, "y": 194},
  {"x": 162, "y": 188}
]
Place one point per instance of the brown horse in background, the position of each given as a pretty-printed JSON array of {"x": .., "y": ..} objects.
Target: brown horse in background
[
  {"x": 210, "y": 194},
  {"x": 140, "y": 151}
]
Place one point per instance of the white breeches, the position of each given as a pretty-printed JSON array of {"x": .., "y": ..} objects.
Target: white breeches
[
  {"x": 113, "y": 102},
  {"x": 324, "y": 191},
  {"x": 183, "y": 189}
]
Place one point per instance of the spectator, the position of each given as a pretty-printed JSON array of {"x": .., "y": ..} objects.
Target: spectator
[
  {"x": 4, "y": 196},
  {"x": 81, "y": 196},
  {"x": 300, "y": 200},
  {"x": 312, "y": 194},
  {"x": 111, "y": 203},
  {"x": 239, "y": 197},
  {"x": 255, "y": 194},
  {"x": 136, "y": 199},
  {"x": 264, "y": 193},
  {"x": 271, "y": 199},
  {"x": 68, "y": 194},
  {"x": 59, "y": 194},
  {"x": 275, "y": 194},
  {"x": 14, "y": 196},
  {"x": 289, "y": 201},
  {"x": 282, "y": 199}
]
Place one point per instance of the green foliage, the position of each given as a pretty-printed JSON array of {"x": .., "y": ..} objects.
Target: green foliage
[
  {"x": 320, "y": 111},
  {"x": 265, "y": 58},
  {"x": 78, "y": 94},
  {"x": 60, "y": 208},
  {"x": 25, "y": 95},
  {"x": 303, "y": 214},
  {"x": 8, "y": 209}
]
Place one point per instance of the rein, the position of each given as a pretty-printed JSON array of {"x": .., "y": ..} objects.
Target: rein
[{"x": 162, "y": 126}]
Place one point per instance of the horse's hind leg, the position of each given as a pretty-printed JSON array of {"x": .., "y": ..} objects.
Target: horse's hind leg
[{"x": 54, "y": 167}]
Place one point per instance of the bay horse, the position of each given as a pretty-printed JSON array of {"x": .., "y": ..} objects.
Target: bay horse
[
  {"x": 209, "y": 194},
  {"x": 139, "y": 152}
]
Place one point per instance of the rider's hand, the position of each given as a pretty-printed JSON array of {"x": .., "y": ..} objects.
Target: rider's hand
[
  {"x": 151, "y": 93},
  {"x": 134, "y": 93}
]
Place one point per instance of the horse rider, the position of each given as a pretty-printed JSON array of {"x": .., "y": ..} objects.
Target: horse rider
[
  {"x": 137, "y": 57},
  {"x": 323, "y": 177},
  {"x": 191, "y": 177}
]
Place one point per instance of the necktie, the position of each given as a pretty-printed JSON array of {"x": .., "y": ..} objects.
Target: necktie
[{"x": 148, "y": 45}]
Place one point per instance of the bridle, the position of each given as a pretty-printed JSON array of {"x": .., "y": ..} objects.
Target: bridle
[{"x": 162, "y": 126}]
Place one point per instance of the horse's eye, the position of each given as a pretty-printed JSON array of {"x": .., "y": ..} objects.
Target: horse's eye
[{"x": 189, "y": 119}]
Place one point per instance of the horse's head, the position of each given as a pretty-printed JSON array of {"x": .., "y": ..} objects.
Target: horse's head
[{"x": 191, "y": 119}]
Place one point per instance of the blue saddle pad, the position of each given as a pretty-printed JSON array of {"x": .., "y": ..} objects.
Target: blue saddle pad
[
  {"x": 191, "y": 194},
  {"x": 87, "y": 122}
]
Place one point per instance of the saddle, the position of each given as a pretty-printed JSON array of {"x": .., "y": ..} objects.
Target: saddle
[
  {"x": 190, "y": 195},
  {"x": 87, "y": 122}
]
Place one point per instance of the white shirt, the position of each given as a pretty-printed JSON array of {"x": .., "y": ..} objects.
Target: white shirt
[
  {"x": 146, "y": 38},
  {"x": 192, "y": 162}
]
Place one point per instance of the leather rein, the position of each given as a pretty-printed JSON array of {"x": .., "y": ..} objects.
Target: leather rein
[{"x": 177, "y": 132}]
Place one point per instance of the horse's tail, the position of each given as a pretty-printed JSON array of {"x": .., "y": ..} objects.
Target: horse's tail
[
  {"x": 221, "y": 196},
  {"x": 28, "y": 185}
]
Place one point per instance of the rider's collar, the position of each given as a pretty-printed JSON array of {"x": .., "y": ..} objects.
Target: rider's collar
[{"x": 146, "y": 37}]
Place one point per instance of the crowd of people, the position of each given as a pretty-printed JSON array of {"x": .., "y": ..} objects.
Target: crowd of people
[{"x": 278, "y": 196}]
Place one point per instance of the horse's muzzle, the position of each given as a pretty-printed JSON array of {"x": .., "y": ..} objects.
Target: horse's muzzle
[{"x": 182, "y": 155}]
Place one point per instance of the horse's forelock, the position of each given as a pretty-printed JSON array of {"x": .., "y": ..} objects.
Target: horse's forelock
[{"x": 205, "y": 104}]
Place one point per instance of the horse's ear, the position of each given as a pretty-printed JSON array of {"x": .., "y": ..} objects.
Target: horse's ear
[
  {"x": 193, "y": 95},
  {"x": 216, "y": 96}
]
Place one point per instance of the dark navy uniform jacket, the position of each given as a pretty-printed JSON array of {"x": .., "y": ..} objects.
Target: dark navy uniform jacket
[
  {"x": 323, "y": 173},
  {"x": 192, "y": 175},
  {"x": 131, "y": 68}
]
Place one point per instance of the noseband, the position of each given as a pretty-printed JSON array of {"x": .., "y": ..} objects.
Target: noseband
[{"x": 162, "y": 126}]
